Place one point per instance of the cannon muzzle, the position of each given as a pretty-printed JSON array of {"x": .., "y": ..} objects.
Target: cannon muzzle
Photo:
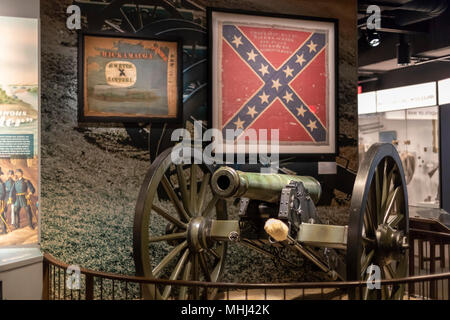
[{"x": 227, "y": 182}]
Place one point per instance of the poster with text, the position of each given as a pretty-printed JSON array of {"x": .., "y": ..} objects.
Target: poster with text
[{"x": 19, "y": 131}]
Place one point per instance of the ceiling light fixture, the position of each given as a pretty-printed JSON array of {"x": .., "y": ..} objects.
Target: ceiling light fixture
[
  {"x": 373, "y": 37},
  {"x": 403, "y": 51}
]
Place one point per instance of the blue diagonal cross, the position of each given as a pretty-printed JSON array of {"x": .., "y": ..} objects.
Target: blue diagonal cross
[{"x": 276, "y": 82}]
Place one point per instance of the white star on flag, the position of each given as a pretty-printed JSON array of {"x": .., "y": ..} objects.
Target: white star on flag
[
  {"x": 263, "y": 69},
  {"x": 237, "y": 41},
  {"x": 312, "y": 46},
  {"x": 239, "y": 123},
  {"x": 276, "y": 84},
  {"x": 252, "y": 111},
  {"x": 288, "y": 71},
  {"x": 312, "y": 125},
  {"x": 288, "y": 97},
  {"x": 300, "y": 59},
  {"x": 301, "y": 111},
  {"x": 251, "y": 55},
  {"x": 264, "y": 97}
]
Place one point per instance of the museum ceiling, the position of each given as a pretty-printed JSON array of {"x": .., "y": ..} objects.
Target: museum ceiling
[{"x": 420, "y": 24}]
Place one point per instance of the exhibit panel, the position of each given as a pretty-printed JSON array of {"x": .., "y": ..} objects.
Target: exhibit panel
[
  {"x": 19, "y": 131},
  {"x": 20, "y": 256}
]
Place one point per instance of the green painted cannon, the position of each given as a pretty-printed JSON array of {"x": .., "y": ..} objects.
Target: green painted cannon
[
  {"x": 229, "y": 183},
  {"x": 186, "y": 237}
]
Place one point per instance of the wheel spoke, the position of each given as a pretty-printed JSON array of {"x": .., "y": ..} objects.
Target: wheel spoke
[
  {"x": 168, "y": 217},
  {"x": 128, "y": 20},
  {"x": 368, "y": 241},
  {"x": 390, "y": 204},
  {"x": 186, "y": 276},
  {"x": 397, "y": 292},
  {"x": 204, "y": 266},
  {"x": 193, "y": 189},
  {"x": 173, "y": 197},
  {"x": 365, "y": 289},
  {"x": 183, "y": 188},
  {"x": 214, "y": 253},
  {"x": 170, "y": 256},
  {"x": 384, "y": 289},
  {"x": 400, "y": 272},
  {"x": 395, "y": 221},
  {"x": 372, "y": 218},
  {"x": 384, "y": 193},
  {"x": 390, "y": 272},
  {"x": 196, "y": 275},
  {"x": 368, "y": 224},
  {"x": 210, "y": 206},
  {"x": 167, "y": 237},
  {"x": 367, "y": 261},
  {"x": 392, "y": 174},
  {"x": 202, "y": 193},
  {"x": 368, "y": 294},
  {"x": 175, "y": 273}
]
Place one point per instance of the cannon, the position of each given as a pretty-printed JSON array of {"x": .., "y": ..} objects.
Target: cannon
[{"x": 186, "y": 237}]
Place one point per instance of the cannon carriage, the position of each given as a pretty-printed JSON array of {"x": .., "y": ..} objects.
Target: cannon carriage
[{"x": 278, "y": 210}]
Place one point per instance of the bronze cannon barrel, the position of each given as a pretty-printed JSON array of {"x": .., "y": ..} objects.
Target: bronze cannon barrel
[{"x": 227, "y": 182}]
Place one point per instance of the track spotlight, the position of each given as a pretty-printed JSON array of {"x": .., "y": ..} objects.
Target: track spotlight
[
  {"x": 373, "y": 37},
  {"x": 403, "y": 51}
]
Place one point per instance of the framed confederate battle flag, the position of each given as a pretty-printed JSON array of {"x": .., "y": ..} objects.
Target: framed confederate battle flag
[{"x": 274, "y": 76}]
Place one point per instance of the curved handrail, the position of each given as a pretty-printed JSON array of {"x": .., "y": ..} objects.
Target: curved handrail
[{"x": 291, "y": 285}]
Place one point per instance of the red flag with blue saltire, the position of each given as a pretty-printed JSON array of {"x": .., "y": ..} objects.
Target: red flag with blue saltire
[{"x": 275, "y": 78}]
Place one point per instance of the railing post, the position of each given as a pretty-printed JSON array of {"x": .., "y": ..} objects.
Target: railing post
[
  {"x": 421, "y": 264},
  {"x": 432, "y": 269},
  {"x": 411, "y": 286},
  {"x": 89, "y": 287},
  {"x": 442, "y": 254},
  {"x": 45, "y": 280}
]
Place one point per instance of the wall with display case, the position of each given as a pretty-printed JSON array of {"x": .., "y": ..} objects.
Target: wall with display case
[{"x": 408, "y": 117}]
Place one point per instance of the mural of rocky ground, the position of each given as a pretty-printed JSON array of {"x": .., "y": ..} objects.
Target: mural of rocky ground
[{"x": 91, "y": 174}]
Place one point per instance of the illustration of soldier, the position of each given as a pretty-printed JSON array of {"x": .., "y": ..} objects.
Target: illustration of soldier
[
  {"x": 9, "y": 184},
  {"x": 22, "y": 190},
  {"x": 3, "y": 208}
]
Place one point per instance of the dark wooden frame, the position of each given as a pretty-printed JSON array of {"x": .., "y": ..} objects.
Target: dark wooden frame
[
  {"x": 82, "y": 117},
  {"x": 307, "y": 156}
]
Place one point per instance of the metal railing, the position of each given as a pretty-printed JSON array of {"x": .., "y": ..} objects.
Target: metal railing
[
  {"x": 429, "y": 253},
  {"x": 429, "y": 278}
]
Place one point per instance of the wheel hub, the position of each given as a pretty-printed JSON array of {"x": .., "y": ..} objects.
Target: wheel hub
[
  {"x": 391, "y": 243},
  {"x": 198, "y": 234}
]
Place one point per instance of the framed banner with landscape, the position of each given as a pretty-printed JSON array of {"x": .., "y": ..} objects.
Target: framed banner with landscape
[
  {"x": 127, "y": 79},
  {"x": 19, "y": 132},
  {"x": 274, "y": 76}
]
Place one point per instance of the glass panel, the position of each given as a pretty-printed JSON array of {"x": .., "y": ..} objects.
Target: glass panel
[
  {"x": 423, "y": 156},
  {"x": 387, "y": 127}
]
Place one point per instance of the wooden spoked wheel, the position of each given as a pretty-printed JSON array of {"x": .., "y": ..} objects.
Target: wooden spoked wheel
[
  {"x": 378, "y": 227},
  {"x": 168, "y": 235}
]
